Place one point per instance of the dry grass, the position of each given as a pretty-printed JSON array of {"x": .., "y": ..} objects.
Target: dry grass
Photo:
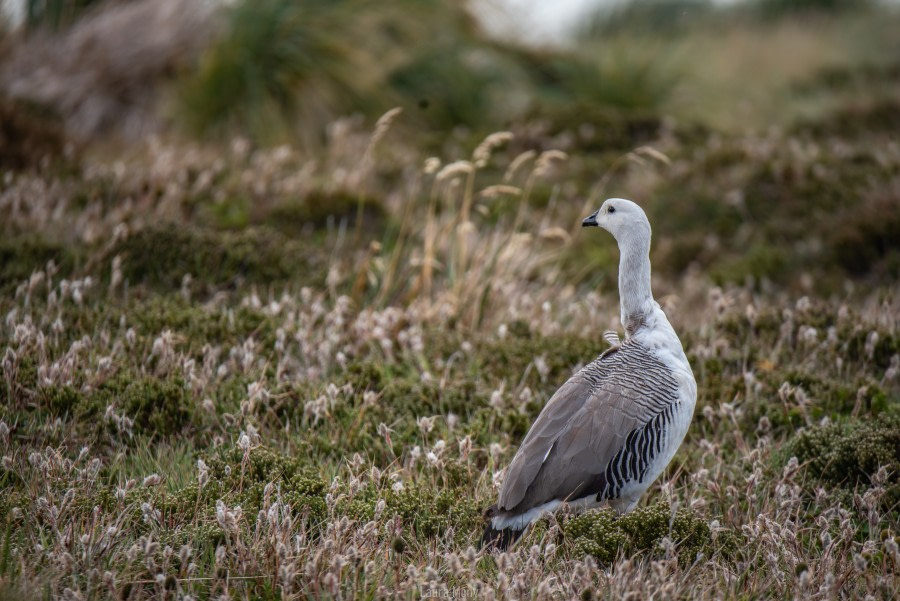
[{"x": 249, "y": 432}]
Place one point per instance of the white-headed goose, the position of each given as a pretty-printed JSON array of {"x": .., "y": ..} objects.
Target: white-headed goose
[{"x": 609, "y": 431}]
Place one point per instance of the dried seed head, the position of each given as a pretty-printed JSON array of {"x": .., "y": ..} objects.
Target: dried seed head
[
  {"x": 454, "y": 169},
  {"x": 152, "y": 480},
  {"x": 484, "y": 150}
]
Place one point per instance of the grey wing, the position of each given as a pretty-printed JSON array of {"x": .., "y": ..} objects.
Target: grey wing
[
  {"x": 552, "y": 421},
  {"x": 588, "y": 425}
]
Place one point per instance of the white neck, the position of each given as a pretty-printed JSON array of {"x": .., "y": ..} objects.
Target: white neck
[{"x": 635, "y": 294}]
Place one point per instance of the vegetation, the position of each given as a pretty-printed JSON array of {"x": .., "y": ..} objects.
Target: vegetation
[{"x": 232, "y": 367}]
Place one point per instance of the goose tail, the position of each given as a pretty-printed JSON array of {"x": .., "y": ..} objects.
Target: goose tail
[{"x": 499, "y": 539}]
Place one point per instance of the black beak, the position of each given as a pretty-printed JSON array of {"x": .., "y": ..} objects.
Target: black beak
[{"x": 590, "y": 220}]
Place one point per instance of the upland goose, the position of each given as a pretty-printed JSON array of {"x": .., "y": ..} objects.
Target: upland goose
[{"x": 609, "y": 431}]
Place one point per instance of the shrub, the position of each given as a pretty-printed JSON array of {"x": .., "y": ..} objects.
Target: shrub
[
  {"x": 605, "y": 534},
  {"x": 428, "y": 511},
  {"x": 849, "y": 454},
  {"x": 161, "y": 256},
  {"x": 292, "y": 217},
  {"x": 20, "y": 256},
  {"x": 158, "y": 407},
  {"x": 300, "y": 485}
]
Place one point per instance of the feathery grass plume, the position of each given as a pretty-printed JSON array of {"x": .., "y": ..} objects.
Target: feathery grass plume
[
  {"x": 483, "y": 151},
  {"x": 500, "y": 190},
  {"x": 517, "y": 164}
]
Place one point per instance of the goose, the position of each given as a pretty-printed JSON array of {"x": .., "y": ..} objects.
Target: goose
[{"x": 611, "y": 429}]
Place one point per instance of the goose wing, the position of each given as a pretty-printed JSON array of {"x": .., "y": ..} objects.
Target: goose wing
[{"x": 601, "y": 428}]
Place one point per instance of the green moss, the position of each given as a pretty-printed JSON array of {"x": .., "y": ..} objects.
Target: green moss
[
  {"x": 231, "y": 213},
  {"x": 428, "y": 511},
  {"x": 162, "y": 255},
  {"x": 200, "y": 325},
  {"x": 761, "y": 261},
  {"x": 158, "y": 407},
  {"x": 605, "y": 534},
  {"x": 240, "y": 483},
  {"x": 514, "y": 354},
  {"x": 63, "y": 400},
  {"x": 486, "y": 421},
  {"x": 316, "y": 210},
  {"x": 863, "y": 237},
  {"x": 883, "y": 350},
  {"x": 848, "y": 454},
  {"x": 879, "y": 116},
  {"x": 20, "y": 256},
  {"x": 300, "y": 486}
]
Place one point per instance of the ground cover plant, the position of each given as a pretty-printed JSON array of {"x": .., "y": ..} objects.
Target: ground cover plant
[{"x": 232, "y": 370}]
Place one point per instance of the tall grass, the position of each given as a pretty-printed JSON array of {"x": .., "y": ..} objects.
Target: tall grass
[{"x": 186, "y": 411}]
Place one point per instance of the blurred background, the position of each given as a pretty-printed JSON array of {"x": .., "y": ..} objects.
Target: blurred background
[{"x": 768, "y": 128}]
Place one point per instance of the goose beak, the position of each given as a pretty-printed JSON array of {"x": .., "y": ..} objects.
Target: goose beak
[{"x": 591, "y": 220}]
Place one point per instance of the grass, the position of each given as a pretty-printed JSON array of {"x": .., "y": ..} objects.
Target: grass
[
  {"x": 262, "y": 430},
  {"x": 264, "y": 372}
]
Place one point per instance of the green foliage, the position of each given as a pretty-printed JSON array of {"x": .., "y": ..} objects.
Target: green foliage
[
  {"x": 830, "y": 213},
  {"x": 848, "y": 454},
  {"x": 200, "y": 325},
  {"x": 158, "y": 407},
  {"x": 608, "y": 76},
  {"x": 22, "y": 255},
  {"x": 597, "y": 122},
  {"x": 281, "y": 60},
  {"x": 294, "y": 217},
  {"x": 762, "y": 261},
  {"x": 605, "y": 534},
  {"x": 455, "y": 85},
  {"x": 432, "y": 512},
  {"x": 428, "y": 511},
  {"x": 299, "y": 484},
  {"x": 272, "y": 52},
  {"x": 864, "y": 238},
  {"x": 161, "y": 256}
]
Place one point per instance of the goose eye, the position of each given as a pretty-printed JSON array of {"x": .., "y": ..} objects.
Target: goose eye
[{"x": 611, "y": 210}]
